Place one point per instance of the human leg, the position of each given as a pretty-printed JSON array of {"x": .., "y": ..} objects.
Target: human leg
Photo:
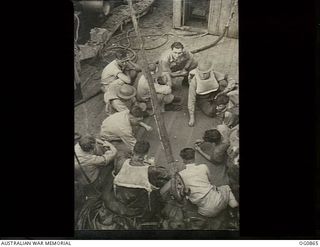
[
  {"x": 213, "y": 203},
  {"x": 207, "y": 106},
  {"x": 225, "y": 189},
  {"x": 193, "y": 65}
]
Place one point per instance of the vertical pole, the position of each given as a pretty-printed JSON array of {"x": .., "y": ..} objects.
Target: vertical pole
[
  {"x": 177, "y": 13},
  {"x": 157, "y": 112}
]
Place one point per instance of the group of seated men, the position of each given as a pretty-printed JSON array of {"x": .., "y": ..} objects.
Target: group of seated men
[{"x": 128, "y": 102}]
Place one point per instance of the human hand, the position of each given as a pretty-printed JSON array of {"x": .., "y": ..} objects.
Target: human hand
[
  {"x": 151, "y": 160},
  {"x": 148, "y": 128},
  {"x": 184, "y": 72},
  {"x": 143, "y": 106},
  {"x": 199, "y": 141},
  {"x": 196, "y": 147}
]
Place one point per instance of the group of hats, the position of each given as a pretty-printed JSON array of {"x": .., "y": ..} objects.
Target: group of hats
[{"x": 128, "y": 92}]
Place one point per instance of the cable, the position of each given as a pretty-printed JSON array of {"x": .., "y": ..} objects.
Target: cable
[
  {"x": 77, "y": 29},
  {"x": 226, "y": 28}
]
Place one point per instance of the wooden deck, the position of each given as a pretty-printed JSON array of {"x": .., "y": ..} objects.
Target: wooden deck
[{"x": 224, "y": 56}]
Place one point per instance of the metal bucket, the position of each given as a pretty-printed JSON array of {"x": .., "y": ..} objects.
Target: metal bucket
[{"x": 97, "y": 6}]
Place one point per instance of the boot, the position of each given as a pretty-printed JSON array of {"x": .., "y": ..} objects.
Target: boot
[
  {"x": 185, "y": 82},
  {"x": 176, "y": 99},
  {"x": 172, "y": 107},
  {"x": 145, "y": 114}
]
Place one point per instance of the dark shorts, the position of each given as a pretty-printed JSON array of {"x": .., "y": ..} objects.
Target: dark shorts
[{"x": 207, "y": 104}]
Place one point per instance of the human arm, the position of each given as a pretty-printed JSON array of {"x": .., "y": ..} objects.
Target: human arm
[
  {"x": 205, "y": 155},
  {"x": 192, "y": 101},
  {"x": 129, "y": 140},
  {"x": 106, "y": 150},
  {"x": 123, "y": 77},
  {"x": 134, "y": 66},
  {"x": 219, "y": 153},
  {"x": 144, "y": 125},
  {"x": 231, "y": 83},
  {"x": 110, "y": 152},
  {"x": 189, "y": 58},
  {"x": 99, "y": 158},
  {"x": 163, "y": 89},
  {"x": 164, "y": 67},
  {"x": 118, "y": 105},
  {"x": 127, "y": 137},
  {"x": 168, "y": 78},
  {"x": 182, "y": 72}
]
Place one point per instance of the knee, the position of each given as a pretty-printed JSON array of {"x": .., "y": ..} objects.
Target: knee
[
  {"x": 133, "y": 75},
  {"x": 193, "y": 65},
  {"x": 208, "y": 111}
]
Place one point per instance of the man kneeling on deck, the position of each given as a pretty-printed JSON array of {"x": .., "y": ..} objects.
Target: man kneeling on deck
[
  {"x": 205, "y": 85},
  {"x": 214, "y": 147},
  {"x": 137, "y": 180},
  {"x": 177, "y": 63},
  {"x": 210, "y": 199},
  {"x": 119, "y": 126},
  {"x": 120, "y": 98},
  {"x": 119, "y": 71},
  {"x": 164, "y": 93},
  {"x": 91, "y": 156}
]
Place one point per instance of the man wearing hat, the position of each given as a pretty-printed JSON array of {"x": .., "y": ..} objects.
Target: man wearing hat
[
  {"x": 120, "y": 98},
  {"x": 164, "y": 93},
  {"x": 119, "y": 71},
  {"x": 205, "y": 85}
]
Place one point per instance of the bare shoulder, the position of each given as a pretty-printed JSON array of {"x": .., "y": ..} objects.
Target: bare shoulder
[{"x": 165, "y": 55}]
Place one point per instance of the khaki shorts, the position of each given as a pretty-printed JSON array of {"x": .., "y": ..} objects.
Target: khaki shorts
[{"x": 216, "y": 200}]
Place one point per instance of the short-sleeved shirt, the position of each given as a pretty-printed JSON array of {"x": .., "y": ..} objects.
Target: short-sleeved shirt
[
  {"x": 168, "y": 61},
  {"x": 117, "y": 127},
  {"x": 110, "y": 72},
  {"x": 91, "y": 163}
]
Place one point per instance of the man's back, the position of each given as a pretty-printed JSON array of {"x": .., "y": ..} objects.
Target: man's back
[
  {"x": 196, "y": 178},
  {"x": 110, "y": 72},
  {"x": 115, "y": 124}
]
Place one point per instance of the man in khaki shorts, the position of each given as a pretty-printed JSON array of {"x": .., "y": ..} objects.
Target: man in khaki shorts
[{"x": 210, "y": 199}]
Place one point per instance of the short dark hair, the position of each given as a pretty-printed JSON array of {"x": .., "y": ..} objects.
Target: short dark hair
[
  {"x": 213, "y": 136},
  {"x": 188, "y": 153},
  {"x": 141, "y": 147},
  {"x": 160, "y": 80},
  {"x": 222, "y": 99},
  {"x": 87, "y": 143},
  {"x": 136, "y": 111},
  {"x": 121, "y": 55},
  {"x": 177, "y": 45}
]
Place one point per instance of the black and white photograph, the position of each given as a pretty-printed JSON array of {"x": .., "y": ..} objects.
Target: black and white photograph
[{"x": 156, "y": 115}]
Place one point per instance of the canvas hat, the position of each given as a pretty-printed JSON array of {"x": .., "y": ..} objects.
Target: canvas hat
[
  {"x": 126, "y": 92},
  {"x": 204, "y": 66}
]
